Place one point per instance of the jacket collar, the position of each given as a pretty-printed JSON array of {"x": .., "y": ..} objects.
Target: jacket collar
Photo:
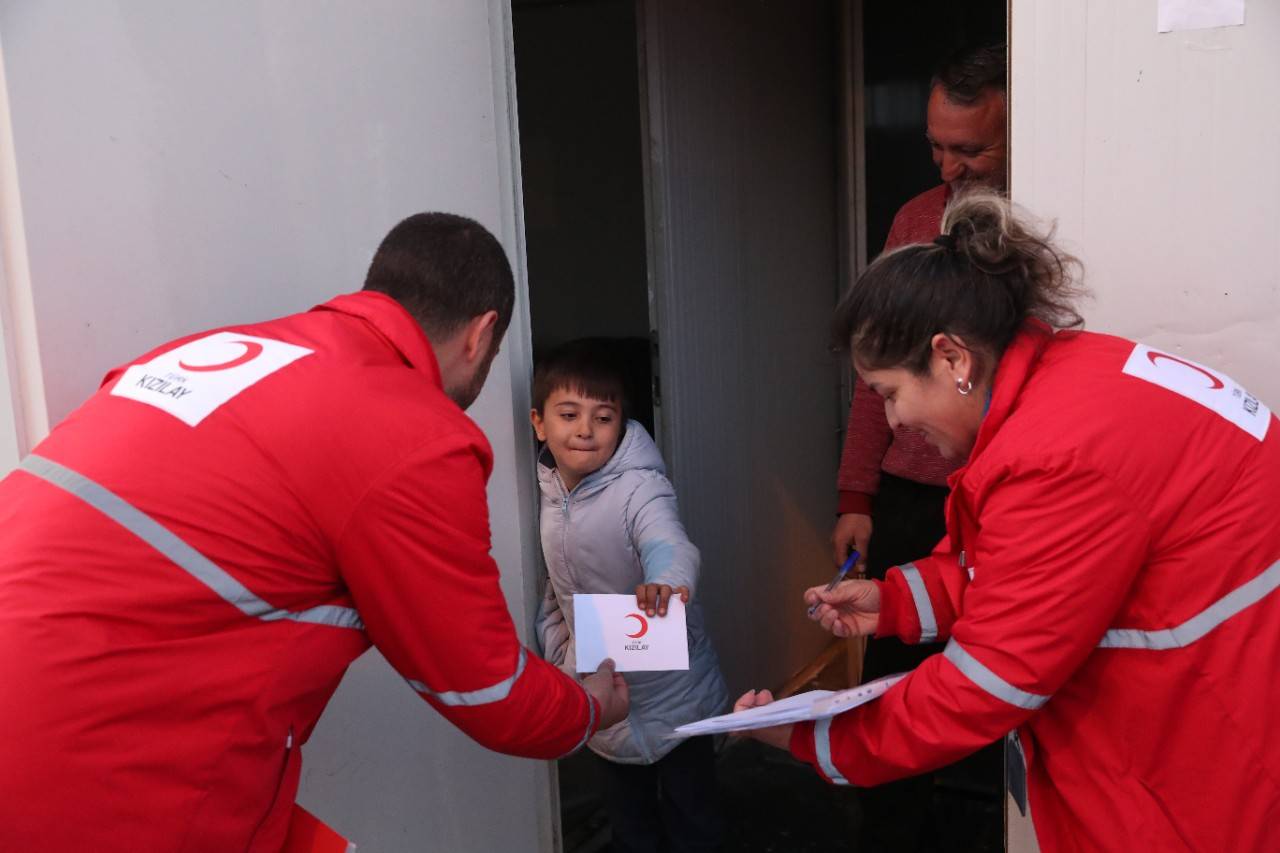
[
  {"x": 394, "y": 325},
  {"x": 1018, "y": 363}
]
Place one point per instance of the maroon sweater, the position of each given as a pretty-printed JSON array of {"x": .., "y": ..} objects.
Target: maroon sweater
[{"x": 870, "y": 446}]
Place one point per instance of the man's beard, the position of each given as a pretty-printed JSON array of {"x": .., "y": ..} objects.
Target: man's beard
[{"x": 467, "y": 393}]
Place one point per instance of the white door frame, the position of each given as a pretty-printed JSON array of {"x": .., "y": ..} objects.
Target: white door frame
[
  {"x": 23, "y": 416},
  {"x": 519, "y": 343}
]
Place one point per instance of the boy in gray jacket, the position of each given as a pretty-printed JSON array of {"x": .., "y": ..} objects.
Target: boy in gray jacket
[{"x": 609, "y": 525}]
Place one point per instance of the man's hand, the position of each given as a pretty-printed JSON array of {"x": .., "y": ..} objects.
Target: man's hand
[
  {"x": 852, "y": 609},
  {"x": 653, "y": 597},
  {"x": 779, "y": 736},
  {"x": 853, "y": 530},
  {"x": 609, "y": 688}
]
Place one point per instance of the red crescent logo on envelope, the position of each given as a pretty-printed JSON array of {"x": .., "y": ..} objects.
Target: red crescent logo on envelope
[
  {"x": 644, "y": 625},
  {"x": 252, "y": 350}
]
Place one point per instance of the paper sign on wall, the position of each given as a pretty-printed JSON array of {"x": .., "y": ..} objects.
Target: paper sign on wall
[
  {"x": 612, "y": 626},
  {"x": 1176, "y": 15}
]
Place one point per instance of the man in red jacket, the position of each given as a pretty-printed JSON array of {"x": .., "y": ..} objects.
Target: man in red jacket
[{"x": 189, "y": 562}]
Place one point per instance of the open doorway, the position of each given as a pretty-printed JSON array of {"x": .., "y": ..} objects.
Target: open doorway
[
  {"x": 902, "y": 44},
  {"x": 682, "y": 190},
  {"x": 581, "y": 167},
  {"x": 581, "y": 162}
]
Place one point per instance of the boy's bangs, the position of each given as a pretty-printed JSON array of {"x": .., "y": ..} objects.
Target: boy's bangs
[
  {"x": 585, "y": 367},
  {"x": 595, "y": 387}
]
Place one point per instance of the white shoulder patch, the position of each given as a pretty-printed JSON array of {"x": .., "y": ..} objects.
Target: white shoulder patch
[
  {"x": 1203, "y": 385},
  {"x": 191, "y": 381}
]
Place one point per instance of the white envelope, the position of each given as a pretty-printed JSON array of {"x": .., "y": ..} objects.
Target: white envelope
[{"x": 612, "y": 626}]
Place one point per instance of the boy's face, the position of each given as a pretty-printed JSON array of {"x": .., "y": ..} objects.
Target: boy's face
[{"x": 581, "y": 432}]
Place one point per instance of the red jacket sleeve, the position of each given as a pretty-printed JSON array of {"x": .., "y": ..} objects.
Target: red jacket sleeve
[
  {"x": 916, "y": 600},
  {"x": 1056, "y": 555},
  {"x": 866, "y": 439},
  {"x": 415, "y": 555}
]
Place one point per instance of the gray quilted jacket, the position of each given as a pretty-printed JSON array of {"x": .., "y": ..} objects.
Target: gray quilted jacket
[{"x": 619, "y": 528}]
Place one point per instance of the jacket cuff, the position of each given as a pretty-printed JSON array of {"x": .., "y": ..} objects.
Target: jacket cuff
[
  {"x": 671, "y": 581},
  {"x": 896, "y": 614},
  {"x": 855, "y": 502},
  {"x": 597, "y": 718},
  {"x": 802, "y": 743}
]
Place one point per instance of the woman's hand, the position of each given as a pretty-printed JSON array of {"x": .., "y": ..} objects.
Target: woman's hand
[
  {"x": 852, "y": 609},
  {"x": 779, "y": 736},
  {"x": 653, "y": 597}
]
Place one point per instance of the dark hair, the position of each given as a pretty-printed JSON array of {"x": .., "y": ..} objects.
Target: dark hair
[
  {"x": 980, "y": 281},
  {"x": 969, "y": 72},
  {"x": 445, "y": 270},
  {"x": 588, "y": 366}
]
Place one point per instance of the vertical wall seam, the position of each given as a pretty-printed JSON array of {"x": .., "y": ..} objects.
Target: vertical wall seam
[
  {"x": 506, "y": 119},
  {"x": 17, "y": 303}
]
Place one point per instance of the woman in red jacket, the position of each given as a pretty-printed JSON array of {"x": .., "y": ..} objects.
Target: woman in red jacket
[{"x": 1106, "y": 589}]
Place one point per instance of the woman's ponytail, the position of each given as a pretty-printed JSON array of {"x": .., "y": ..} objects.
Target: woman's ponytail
[
  {"x": 999, "y": 244},
  {"x": 981, "y": 280}
]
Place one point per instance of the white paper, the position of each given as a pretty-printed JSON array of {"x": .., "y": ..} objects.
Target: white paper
[
  {"x": 1175, "y": 15},
  {"x": 813, "y": 705},
  {"x": 612, "y": 626}
]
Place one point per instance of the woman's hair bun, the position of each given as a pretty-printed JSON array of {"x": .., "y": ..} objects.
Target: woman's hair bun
[
  {"x": 992, "y": 268},
  {"x": 1005, "y": 245}
]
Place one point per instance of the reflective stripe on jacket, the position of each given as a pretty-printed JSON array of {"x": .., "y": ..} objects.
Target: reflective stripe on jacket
[
  {"x": 193, "y": 557},
  {"x": 1107, "y": 589}
]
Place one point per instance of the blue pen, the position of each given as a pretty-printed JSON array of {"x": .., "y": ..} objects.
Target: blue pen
[{"x": 844, "y": 570}]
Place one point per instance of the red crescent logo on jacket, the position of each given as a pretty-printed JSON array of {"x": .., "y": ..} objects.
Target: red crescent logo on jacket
[
  {"x": 644, "y": 625},
  {"x": 1215, "y": 382},
  {"x": 252, "y": 350}
]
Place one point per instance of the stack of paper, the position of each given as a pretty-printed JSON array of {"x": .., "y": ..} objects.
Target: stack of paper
[{"x": 813, "y": 705}]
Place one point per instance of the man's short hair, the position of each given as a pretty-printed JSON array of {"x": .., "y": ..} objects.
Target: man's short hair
[
  {"x": 445, "y": 270},
  {"x": 970, "y": 71},
  {"x": 587, "y": 366}
]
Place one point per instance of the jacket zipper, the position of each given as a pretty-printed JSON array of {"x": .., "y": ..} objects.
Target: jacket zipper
[
  {"x": 564, "y": 529},
  {"x": 284, "y": 769}
]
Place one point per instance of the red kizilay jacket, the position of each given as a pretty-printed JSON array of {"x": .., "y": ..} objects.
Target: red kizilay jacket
[
  {"x": 1106, "y": 589},
  {"x": 193, "y": 557}
]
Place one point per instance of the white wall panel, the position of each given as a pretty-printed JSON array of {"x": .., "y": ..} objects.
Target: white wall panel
[
  {"x": 1157, "y": 154},
  {"x": 9, "y": 409},
  {"x": 22, "y": 410},
  {"x": 186, "y": 165}
]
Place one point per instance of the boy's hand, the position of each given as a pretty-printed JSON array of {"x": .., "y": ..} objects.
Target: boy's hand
[{"x": 652, "y": 597}]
